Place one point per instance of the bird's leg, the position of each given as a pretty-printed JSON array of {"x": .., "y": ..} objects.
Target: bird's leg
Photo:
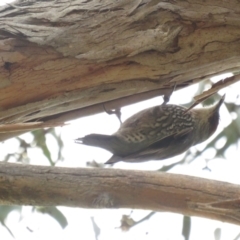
[
  {"x": 167, "y": 96},
  {"x": 116, "y": 111}
]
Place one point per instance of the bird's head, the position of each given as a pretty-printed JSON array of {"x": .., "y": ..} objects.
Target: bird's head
[{"x": 208, "y": 119}]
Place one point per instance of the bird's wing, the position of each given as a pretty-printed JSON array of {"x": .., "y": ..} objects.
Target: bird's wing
[
  {"x": 160, "y": 149},
  {"x": 184, "y": 132},
  {"x": 153, "y": 125},
  {"x": 162, "y": 143},
  {"x": 149, "y": 151}
]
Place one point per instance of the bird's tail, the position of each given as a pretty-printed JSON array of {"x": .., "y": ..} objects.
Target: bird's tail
[
  {"x": 97, "y": 140},
  {"x": 114, "y": 159}
]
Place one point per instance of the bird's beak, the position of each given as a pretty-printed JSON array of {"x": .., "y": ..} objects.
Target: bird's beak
[
  {"x": 218, "y": 105},
  {"x": 78, "y": 140}
]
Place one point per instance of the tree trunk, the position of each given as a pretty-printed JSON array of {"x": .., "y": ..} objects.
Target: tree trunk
[{"x": 60, "y": 57}]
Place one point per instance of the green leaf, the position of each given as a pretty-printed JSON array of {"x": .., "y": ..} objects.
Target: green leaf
[
  {"x": 55, "y": 213},
  {"x": 186, "y": 227}
]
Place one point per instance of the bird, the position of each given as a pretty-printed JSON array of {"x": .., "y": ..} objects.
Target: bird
[{"x": 158, "y": 133}]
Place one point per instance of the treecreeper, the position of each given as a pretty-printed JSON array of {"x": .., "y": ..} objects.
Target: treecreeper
[{"x": 158, "y": 133}]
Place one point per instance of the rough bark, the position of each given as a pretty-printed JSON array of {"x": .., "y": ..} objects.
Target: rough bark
[
  {"x": 60, "y": 57},
  {"x": 108, "y": 188}
]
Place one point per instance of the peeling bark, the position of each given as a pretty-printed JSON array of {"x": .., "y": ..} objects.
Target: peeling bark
[{"x": 57, "y": 57}]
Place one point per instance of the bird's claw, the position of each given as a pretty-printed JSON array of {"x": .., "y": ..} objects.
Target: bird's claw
[
  {"x": 116, "y": 111},
  {"x": 168, "y": 95}
]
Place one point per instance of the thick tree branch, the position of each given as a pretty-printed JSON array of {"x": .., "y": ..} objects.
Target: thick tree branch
[
  {"x": 58, "y": 57},
  {"x": 114, "y": 188}
]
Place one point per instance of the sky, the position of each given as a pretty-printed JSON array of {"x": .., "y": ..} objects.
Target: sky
[{"x": 3, "y": 2}]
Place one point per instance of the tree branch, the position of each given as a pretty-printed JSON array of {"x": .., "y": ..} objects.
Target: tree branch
[
  {"x": 59, "y": 57},
  {"x": 114, "y": 188}
]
